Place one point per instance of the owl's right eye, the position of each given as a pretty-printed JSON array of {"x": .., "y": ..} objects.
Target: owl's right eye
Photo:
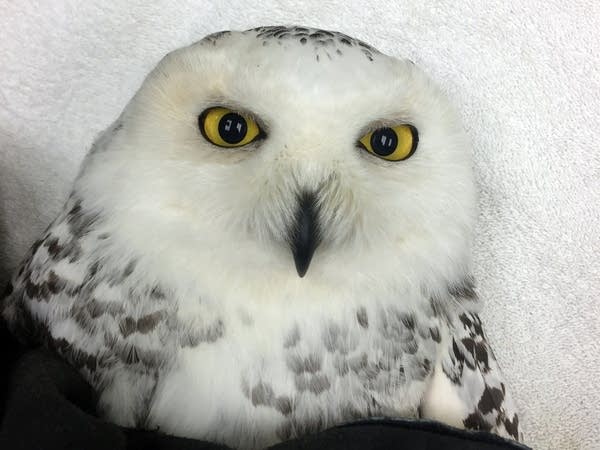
[{"x": 227, "y": 128}]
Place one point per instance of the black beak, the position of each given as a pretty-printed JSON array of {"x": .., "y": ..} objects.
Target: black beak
[{"x": 304, "y": 234}]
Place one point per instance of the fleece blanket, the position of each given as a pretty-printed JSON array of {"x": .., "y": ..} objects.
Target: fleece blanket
[{"x": 524, "y": 74}]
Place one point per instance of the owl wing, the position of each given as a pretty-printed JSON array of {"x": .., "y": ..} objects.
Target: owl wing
[
  {"x": 94, "y": 310},
  {"x": 467, "y": 389}
]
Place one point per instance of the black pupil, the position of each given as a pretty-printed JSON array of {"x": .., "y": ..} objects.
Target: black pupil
[
  {"x": 232, "y": 128},
  {"x": 384, "y": 141}
]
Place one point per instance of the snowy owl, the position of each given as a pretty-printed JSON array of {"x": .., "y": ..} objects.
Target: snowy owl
[{"x": 272, "y": 239}]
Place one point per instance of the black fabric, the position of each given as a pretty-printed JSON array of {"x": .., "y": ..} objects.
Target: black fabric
[{"x": 46, "y": 405}]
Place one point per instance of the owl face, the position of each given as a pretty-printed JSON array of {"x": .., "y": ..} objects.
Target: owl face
[{"x": 292, "y": 151}]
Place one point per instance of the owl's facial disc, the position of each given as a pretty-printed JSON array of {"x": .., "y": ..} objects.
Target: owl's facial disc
[
  {"x": 252, "y": 151},
  {"x": 303, "y": 234}
]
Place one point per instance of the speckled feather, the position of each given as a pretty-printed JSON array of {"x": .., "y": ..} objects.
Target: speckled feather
[
  {"x": 168, "y": 312},
  {"x": 120, "y": 333}
]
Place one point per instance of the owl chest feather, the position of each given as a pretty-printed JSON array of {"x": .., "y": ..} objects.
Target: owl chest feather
[{"x": 273, "y": 380}]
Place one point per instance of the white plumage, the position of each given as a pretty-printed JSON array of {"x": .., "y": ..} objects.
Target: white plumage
[{"x": 169, "y": 278}]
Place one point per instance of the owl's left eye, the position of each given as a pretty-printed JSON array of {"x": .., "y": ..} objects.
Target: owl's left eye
[
  {"x": 392, "y": 143},
  {"x": 227, "y": 128}
]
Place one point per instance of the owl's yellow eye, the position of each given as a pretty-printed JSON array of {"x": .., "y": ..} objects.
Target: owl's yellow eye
[
  {"x": 392, "y": 143},
  {"x": 227, "y": 128}
]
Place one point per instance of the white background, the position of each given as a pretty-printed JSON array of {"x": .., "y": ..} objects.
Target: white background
[{"x": 524, "y": 74}]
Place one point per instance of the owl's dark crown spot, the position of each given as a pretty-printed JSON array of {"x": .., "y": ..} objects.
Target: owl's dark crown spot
[{"x": 303, "y": 35}]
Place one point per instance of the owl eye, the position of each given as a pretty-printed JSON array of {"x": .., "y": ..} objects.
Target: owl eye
[
  {"x": 227, "y": 128},
  {"x": 392, "y": 144}
]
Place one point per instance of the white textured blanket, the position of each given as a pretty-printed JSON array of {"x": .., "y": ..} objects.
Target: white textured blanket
[{"x": 525, "y": 75}]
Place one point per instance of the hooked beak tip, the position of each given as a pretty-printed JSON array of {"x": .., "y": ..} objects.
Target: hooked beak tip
[{"x": 301, "y": 268}]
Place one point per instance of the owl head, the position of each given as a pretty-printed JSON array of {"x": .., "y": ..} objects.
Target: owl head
[{"x": 291, "y": 153}]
